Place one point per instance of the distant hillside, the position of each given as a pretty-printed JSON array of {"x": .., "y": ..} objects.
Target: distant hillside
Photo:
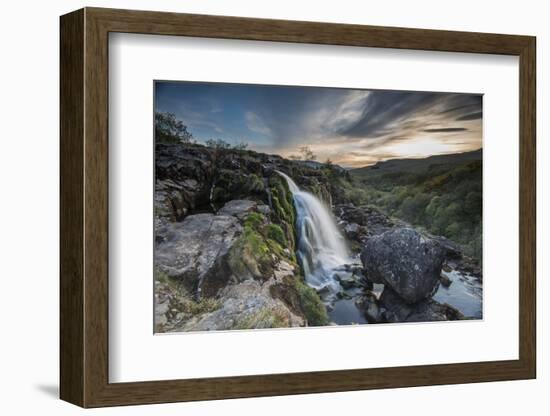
[
  {"x": 443, "y": 194},
  {"x": 416, "y": 165},
  {"x": 313, "y": 164}
]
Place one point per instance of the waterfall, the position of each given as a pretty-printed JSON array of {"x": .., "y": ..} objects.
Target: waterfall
[{"x": 321, "y": 247}]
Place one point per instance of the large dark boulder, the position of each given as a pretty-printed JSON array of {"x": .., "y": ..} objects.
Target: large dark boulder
[{"x": 405, "y": 260}]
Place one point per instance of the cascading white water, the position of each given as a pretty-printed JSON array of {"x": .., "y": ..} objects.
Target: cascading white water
[{"x": 321, "y": 247}]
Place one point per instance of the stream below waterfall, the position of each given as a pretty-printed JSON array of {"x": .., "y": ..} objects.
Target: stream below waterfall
[{"x": 336, "y": 274}]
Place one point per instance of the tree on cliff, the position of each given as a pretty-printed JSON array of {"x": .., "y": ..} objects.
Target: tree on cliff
[
  {"x": 305, "y": 154},
  {"x": 168, "y": 129},
  {"x": 222, "y": 144}
]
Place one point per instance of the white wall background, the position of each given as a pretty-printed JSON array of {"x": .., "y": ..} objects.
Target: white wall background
[{"x": 29, "y": 209}]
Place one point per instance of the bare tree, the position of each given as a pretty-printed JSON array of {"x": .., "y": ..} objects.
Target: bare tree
[{"x": 307, "y": 153}]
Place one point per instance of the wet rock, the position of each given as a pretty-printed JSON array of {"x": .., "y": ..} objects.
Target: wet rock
[
  {"x": 405, "y": 260},
  {"x": 346, "y": 280},
  {"x": 452, "y": 250},
  {"x": 343, "y": 295},
  {"x": 394, "y": 309},
  {"x": 369, "y": 304},
  {"x": 445, "y": 280},
  {"x": 469, "y": 266}
]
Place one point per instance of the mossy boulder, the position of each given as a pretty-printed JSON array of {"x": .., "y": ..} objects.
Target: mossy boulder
[
  {"x": 258, "y": 249},
  {"x": 302, "y": 299},
  {"x": 250, "y": 257},
  {"x": 284, "y": 213}
]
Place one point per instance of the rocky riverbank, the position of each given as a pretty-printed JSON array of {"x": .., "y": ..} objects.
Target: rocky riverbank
[
  {"x": 226, "y": 243},
  {"x": 409, "y": 269}
]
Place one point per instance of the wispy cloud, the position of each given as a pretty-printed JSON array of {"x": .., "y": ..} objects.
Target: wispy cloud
[
  {"x": 445, "y": 130},
  {"x": 256, "y": 124}
]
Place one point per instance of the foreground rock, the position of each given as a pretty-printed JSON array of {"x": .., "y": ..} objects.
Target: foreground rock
[
  {"x": 195, "y": 251},
  {"x": 230, "y": 270},
  {"x": 404, "y": 260},
  {"x": 281, "y": 301},
  {"x": 427, "y": 310},
  {"x": 391, "y": 308},
  {"x": 244, "y": 306},
  {"x": 239, "y": 208}
]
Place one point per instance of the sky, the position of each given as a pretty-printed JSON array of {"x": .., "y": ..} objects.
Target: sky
[{"x": 351, "y": 127}]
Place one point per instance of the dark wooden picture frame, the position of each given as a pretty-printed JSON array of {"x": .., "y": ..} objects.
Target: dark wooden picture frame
[{"x": 84, "y": 207}]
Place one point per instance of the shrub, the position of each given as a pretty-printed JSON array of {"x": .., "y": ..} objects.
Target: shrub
[{"x": 168, "y": 129}]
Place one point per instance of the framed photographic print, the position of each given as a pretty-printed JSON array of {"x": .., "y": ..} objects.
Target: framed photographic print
[{"x": 260, "y": 207}]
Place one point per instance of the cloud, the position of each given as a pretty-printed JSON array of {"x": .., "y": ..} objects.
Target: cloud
[
  {"x": 384, "y": 108},
  {"x": 295, "y": 115},
  {"x": 459, "y": 108},
  {"x": 256, "y": 124},
  {"x": 445, "y": 130},
  {"x": 352, "y": 127},
  {"x": 386, "y": 112},
  {"x": 471, "y": 116}
]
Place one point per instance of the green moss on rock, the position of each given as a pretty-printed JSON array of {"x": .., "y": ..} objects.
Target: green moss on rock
[
  {"x": 275, "y": 232},
  {"x": 250, "y": 255},
  {"x": 230, "y": 184},
  {"x": 282, "y": 200},
  {"x": 314, "y": 310},
  {"x": 283, "y": 208},
  {"x": 259, "y": 248},
  {"x": 265, "y": 318},
  {"x": 254, "y": 220},
  {"x": 205, "y": 305},
  {"x": 255, "y": 184}
]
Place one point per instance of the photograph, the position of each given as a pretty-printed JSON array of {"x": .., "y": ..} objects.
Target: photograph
[{"x": 297, "y": 206}]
